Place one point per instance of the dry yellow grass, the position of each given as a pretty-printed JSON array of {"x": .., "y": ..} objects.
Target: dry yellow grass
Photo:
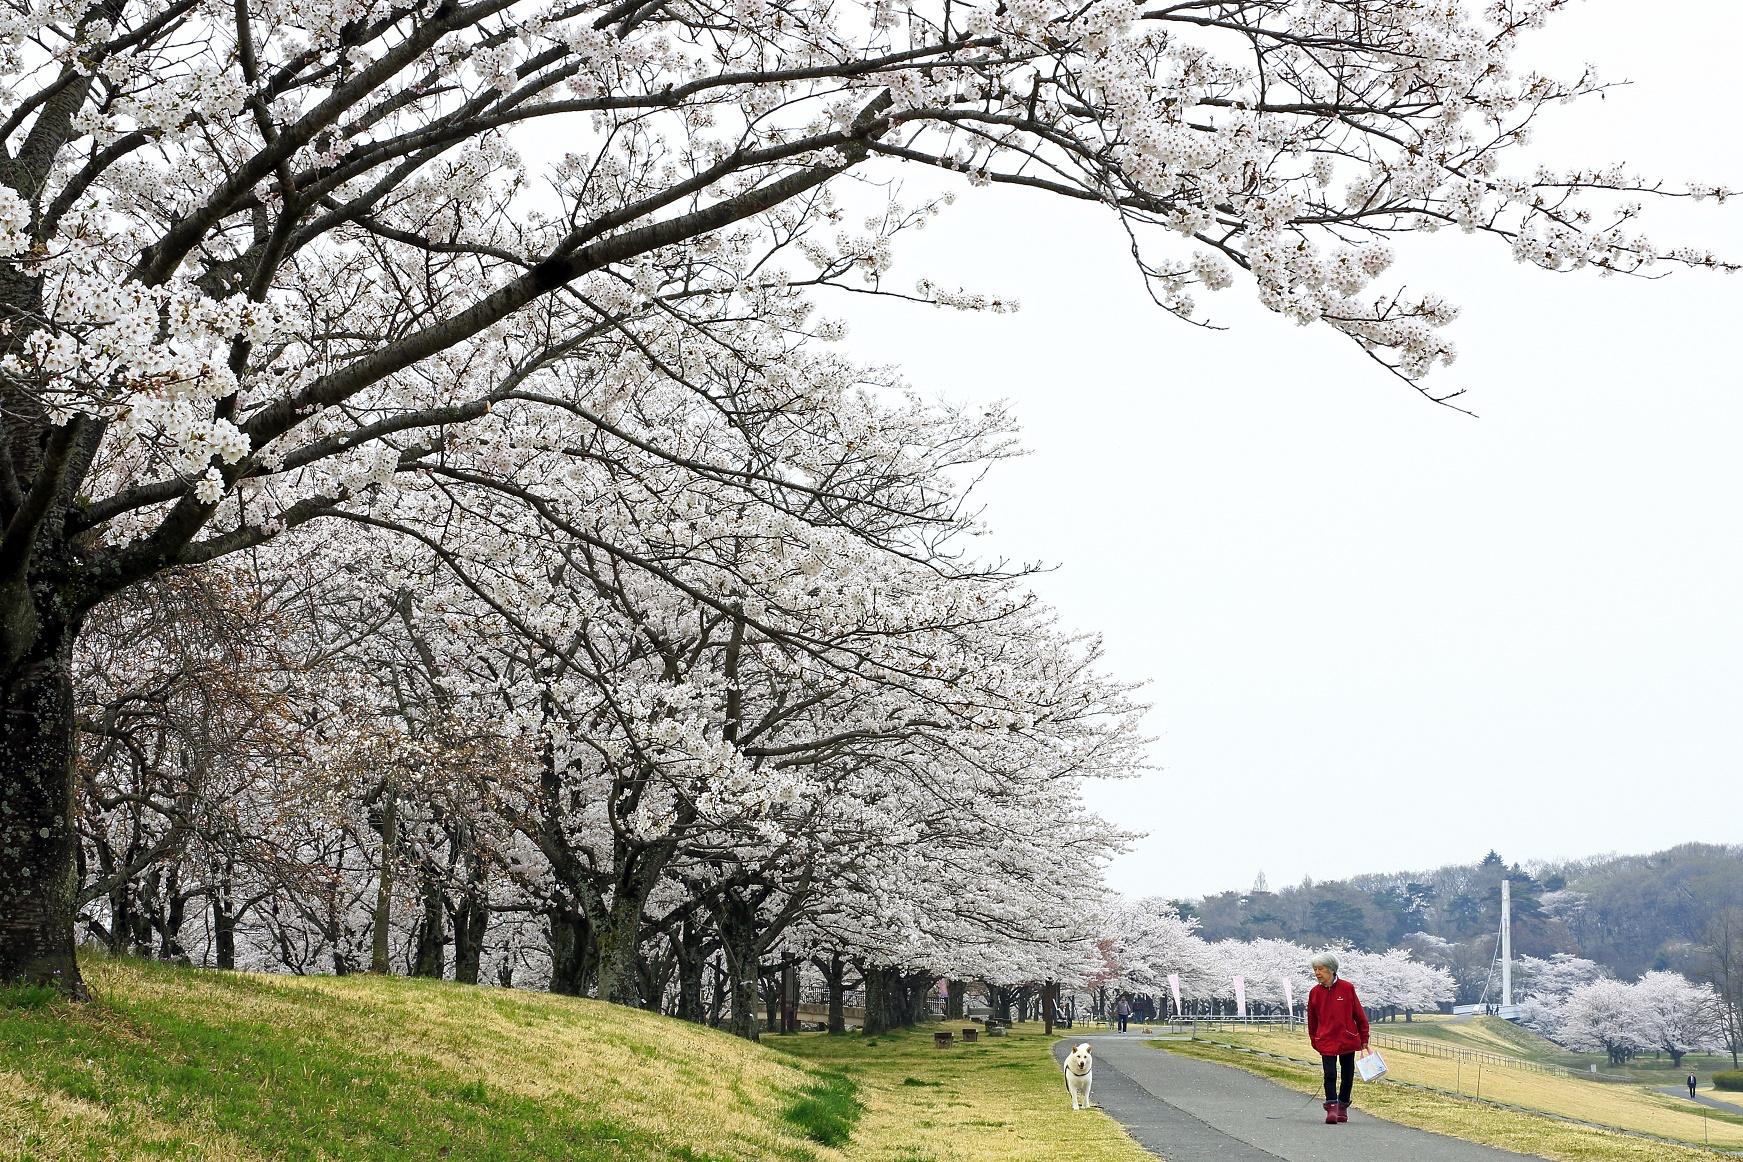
[{"x": 1627, "y": 1107}]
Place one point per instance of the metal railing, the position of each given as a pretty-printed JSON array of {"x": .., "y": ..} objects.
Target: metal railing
[
  {"x": 1416, "y": 1045},
  {"x": 1479, "y": 1056}
]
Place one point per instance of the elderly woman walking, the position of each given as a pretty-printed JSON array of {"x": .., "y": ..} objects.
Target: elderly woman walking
[{"x": 1338, "y": 1027}]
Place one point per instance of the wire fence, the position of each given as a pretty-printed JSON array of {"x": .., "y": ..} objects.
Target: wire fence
[
  {"x": 1409, "y": 1045},
  {"x": 1482, "y": 1057}
]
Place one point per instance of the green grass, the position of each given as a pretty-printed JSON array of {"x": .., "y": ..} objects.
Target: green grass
[
  {"x": 999, "y": 1100},
  {"x": 826, "y": 1110}
]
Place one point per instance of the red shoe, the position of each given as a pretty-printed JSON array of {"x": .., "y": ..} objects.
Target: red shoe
[
  {"x": 1331, "y": 1113},
  {"x": 1343, "y": 1110}
]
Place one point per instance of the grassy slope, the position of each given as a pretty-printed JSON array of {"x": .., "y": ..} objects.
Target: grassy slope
[
  {"x": 191, "y": 1064},
  {"x": 1625, "y": 1106}
]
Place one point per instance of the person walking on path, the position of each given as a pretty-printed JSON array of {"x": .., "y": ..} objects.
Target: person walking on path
[
  {"x": 1123, "y": 1010},
  {"x": 1337, "y": 1027},
  {"x": 1693, "y": 1081}
]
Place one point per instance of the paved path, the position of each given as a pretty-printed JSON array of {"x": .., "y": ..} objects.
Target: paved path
[
  {"x": 1682, "y": 1091},
  {"x": 1193, "y": 1111}
]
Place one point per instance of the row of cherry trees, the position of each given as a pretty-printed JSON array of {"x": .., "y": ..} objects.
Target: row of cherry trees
[
  {"x": 456, "y": 737},
  {"x": 1146, "y": 942},
  {"x": 418, "y": 434},
  {"x": 1576, "y": 1003}
]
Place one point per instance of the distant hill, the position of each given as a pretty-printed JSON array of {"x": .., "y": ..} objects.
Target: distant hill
[{"x": 1630, "y": 913}]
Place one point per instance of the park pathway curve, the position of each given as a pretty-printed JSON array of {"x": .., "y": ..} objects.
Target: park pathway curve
[
  {"x": 1195, "y": 1111},
  {"x": 1682, "y": 1092}
]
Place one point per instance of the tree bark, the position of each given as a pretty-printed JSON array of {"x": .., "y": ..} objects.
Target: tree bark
[
  {"x": 955, "y": 991},
  {"x": 690, "y": 952},
  {"x": 38, "y": 843},
  {"x": 888, "y": 1003},
  {"x": 834, "y": 972},
  {"x": 571, "y": 952},
  {"x": 384, "y": 886},
  {"x": 432, "y": 935},
  {"x": 471, "y": 920},
  {"x": 789, "y": 995},
  {"x": 224, "y": 922},
  {"x": 743, "y": 960},
  {"x": 619, "y": 938}
]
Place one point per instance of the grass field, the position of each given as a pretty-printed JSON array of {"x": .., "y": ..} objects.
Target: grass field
[
  {"x": 1625, "y": 1106},
  {"x": 189, "y": 1064}
]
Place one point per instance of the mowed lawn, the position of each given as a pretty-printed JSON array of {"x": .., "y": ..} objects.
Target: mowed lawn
[
  {"x": 191, "y": 1064},
  {"x": 1626, "y": 1106}
]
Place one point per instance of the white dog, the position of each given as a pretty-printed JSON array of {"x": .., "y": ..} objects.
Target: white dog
[{"x": 1078, "y": 1070}]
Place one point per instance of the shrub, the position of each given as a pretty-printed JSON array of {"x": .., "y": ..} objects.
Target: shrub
[{"x": 1729, "y": 1079}]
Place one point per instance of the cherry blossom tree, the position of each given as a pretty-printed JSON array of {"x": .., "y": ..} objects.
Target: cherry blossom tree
[
  {"x": 1604, "y": 1017},
  {"x": 1676, "y": 1015},
  {"x": 265, "y": 264}
]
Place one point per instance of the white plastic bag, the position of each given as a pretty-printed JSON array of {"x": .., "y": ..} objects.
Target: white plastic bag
[{"x": 1370, "y": 1065}]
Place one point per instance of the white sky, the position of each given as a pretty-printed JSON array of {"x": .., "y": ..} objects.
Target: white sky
[{"x": 1520, "y": 631}]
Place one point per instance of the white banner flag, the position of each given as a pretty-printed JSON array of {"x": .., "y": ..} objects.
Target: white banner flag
[
  {"x": 1289, "y": 996},
  {"x": 1240, "y": 996},
  {"x": 1174, "y": 983}
]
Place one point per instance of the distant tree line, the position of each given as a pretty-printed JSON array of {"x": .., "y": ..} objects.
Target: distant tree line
[{"x": 1628, "y": 914}]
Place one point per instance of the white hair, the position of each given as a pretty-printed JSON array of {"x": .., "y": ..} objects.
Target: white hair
[{"x": 1326, "y": 959}]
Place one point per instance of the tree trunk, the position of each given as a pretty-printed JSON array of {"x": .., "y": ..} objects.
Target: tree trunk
[
  {"x": 789, "y": 996},
  {"x": 953, "y": 994},
  {"x": 741, "y": 979},
  {"x": 1049, "y": 999},
  {"x": 384, "y": 886},
  {"x": 690, "y": 953},
  {"x": 38, "y": 843},
  {"x": 618, "y": 940},
  {"x": 432, "y": 935},
  {"x": 887, "y": 1004},
  {"x": 571, "y": 952},
  {"x": 471, "y": 920},
  {"x": 834, "y": 972},
  {"x": 717, "y": 1005},
  {"x": 224, "y": 922}
]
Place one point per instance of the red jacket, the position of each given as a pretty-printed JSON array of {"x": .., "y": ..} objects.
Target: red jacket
[{"x": 1336, "y": 1023}]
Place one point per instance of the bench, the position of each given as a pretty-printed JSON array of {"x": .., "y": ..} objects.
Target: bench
[
  {"x": 941, "y": 1039},
  {"x": 970, "y": 1036}
]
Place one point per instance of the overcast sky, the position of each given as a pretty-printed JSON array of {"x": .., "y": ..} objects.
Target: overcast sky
[{"x": 1381, "y": 635}]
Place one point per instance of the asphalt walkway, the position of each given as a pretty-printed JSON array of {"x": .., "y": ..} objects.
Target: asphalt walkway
[
  {"x": 1682, "y": 1091},
  {"x": 1193, "y": 1111}
]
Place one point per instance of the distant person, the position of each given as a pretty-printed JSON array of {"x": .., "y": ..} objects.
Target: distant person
[
  {"x": 1693, "y": 1080},
  {"x": 1337, "y": 1027},
  {"x": 1123, "y": 1011}
]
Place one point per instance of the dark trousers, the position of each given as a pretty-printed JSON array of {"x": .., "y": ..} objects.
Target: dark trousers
[
  {"x": 1340, "y": 1077},
  {"x": 1123, "y": 1019}
]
